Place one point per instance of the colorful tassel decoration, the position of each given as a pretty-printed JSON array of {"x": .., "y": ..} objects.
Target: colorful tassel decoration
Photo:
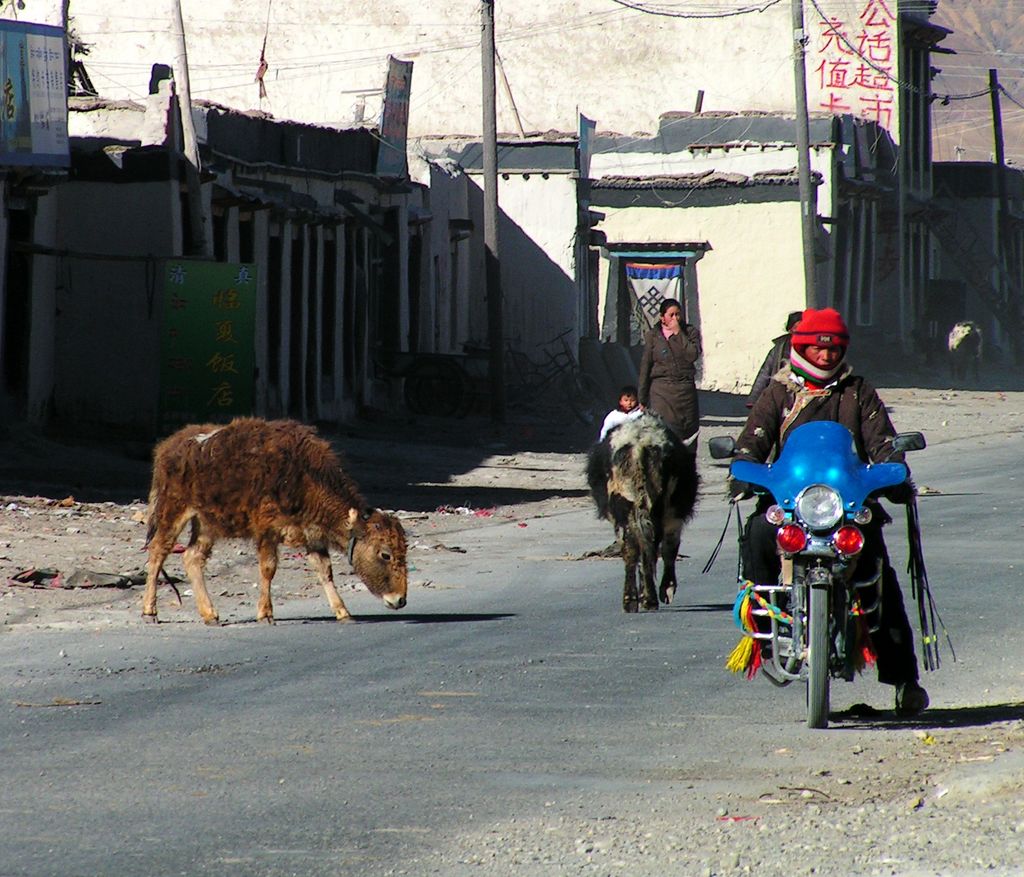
[
  {"x": 746, "y": 657},
  {"x": 742, "y": 656}
]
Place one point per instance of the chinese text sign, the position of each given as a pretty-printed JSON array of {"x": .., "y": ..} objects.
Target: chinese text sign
[
  {"x": 853, "y": 59},
  {"x": 206, "y": 351}
]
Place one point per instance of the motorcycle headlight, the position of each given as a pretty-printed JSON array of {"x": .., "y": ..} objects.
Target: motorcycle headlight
[{"x": 819, "y": 507}]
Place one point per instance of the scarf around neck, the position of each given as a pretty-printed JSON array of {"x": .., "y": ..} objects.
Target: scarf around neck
[{"x": 810, "y": 374}]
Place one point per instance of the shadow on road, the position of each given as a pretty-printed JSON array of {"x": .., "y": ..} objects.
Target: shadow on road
[
  {"x": 707, "y": 607},
  {"x": 391, "y": 455},
  {"x": 392, "y": 617},
  {"x": 862, "y": 717}
]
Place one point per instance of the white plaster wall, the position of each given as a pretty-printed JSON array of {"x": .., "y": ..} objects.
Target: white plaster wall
[
  {"x": 747, "y": 284},
  {"x": 120, "y": 121},
  {"x": 327, "y": 60},
  {"x": 536, "y": 237}
]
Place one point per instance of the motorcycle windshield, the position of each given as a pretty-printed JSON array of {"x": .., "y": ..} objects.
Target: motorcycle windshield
[{"x": 821, "y": 452}]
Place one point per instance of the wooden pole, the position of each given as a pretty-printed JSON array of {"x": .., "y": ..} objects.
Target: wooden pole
[
  {"x": 189, "y": 144},
  {"x": 492, "y": 264},
  {"x": 507, "y": 89},
  {"x": 808, "y": 199},
  {"x": 1002, "y": 225}
]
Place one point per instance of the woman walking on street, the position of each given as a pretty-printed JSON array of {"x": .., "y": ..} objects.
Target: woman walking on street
[{"x": 668, "y": 373}]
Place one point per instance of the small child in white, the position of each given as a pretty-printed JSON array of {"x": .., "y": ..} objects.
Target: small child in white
[{"x": 628, "y": 408}]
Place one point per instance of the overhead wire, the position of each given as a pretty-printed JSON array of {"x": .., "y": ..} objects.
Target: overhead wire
[{"x": 651, "y": 9}]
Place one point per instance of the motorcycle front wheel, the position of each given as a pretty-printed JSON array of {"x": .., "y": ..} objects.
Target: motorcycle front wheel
[{"x": 817, "y": 658}]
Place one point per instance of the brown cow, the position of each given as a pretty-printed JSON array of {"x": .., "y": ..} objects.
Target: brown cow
[{"x": 275, "y": 482}]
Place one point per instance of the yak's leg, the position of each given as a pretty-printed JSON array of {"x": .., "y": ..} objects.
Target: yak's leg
[
  {"x": 648, "y": 563},
  {"x": 669, "y": 550},
  {"x": 160, "y": 546},
  {"x": 266, "y": 548},
  {"x": 630, "y": 556},
  {"x": 194, "y": 559},
  {"x": 320, "y": 560}
]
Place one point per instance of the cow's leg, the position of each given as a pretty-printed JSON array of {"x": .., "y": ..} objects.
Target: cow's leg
[
  {"x": 266, "y": 549},
  {"x": 630, "y": 556},
  {"x": 160, "y": 546},
  {"x": 669, "y": 551},
  {"x": 320, "y": 560},
  {"x": 196, "y": 554}
]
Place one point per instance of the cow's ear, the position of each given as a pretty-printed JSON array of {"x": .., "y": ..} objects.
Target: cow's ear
[
  {"x": 353, "y": 515},
  {"x": 367, "y": 513}
]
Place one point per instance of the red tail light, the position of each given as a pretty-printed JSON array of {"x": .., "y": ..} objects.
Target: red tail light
[
  {"x": 791, "y": 538},
  {"x": 848, "y": 540}
]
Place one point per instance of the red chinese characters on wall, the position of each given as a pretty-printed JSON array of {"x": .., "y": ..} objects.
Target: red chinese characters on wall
[{"x": 856, "y": 63}]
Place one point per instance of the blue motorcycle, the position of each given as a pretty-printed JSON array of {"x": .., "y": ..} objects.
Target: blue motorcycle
[{"x": 808, "y": 626}]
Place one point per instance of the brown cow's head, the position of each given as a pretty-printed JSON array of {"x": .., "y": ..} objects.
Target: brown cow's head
[{"x": 378, "y": 556}]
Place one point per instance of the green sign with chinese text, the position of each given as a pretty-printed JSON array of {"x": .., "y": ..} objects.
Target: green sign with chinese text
[{"x": 206, "y": 345}]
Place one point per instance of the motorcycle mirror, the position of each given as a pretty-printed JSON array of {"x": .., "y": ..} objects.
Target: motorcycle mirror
[
  {"x": 908, "y": 441},
  {"x": 721, "y": 447}
]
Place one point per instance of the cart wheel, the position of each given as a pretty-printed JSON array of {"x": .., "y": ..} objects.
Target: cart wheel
[{"x": 435, "y": 387}]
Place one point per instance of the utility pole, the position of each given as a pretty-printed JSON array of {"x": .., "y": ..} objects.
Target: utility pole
[
  {"x": 492, "y": 266},
  {"x": 808, "y": 197},
  {"x": 1002, "y": 225},
  {"x": 189, "y": 145}
]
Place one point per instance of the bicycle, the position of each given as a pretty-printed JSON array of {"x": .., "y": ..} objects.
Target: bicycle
[
  {"x": 558, "y": 372},
  {"x": 439, "y": 384}
]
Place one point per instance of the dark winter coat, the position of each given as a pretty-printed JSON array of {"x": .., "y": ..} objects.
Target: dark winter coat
[
  {"x": 850, "y": 400},
  {"x": 667, "y": 381}
]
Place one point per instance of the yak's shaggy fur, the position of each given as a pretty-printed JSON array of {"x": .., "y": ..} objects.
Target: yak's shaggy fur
[
  {"x": 645, "y": 482},
  {"x": 274, "y": 482}
]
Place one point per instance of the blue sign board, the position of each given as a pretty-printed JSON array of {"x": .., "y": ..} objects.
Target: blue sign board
[{"x": 33, "y": 95}]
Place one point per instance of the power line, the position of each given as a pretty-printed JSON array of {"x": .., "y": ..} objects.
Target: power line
[{"x": 651, "y": 9}]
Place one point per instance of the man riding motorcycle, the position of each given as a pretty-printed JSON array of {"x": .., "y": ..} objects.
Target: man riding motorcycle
[{"x": 818, "y": 384}]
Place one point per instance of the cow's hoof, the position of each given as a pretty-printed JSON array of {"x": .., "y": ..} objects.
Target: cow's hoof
[
  {"x": 212, "y": 622},
  {"x": 150, "y": 618},
  {"x": 630, "y": 605},
  {"x": 650, "y": 605},
  {"x": 265, "y": 619},
  {"x": 667, "y": 595}
]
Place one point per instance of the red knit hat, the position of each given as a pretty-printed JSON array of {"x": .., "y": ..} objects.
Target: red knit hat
[{"x": 824, "y": 328}]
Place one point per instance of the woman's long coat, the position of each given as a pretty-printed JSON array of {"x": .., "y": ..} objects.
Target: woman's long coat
[{"x": 668, "y": 369}]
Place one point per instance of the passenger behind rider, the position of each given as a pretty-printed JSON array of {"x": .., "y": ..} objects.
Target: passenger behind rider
[
  {"x": 818, "y": 384},
  {"x": 628, "y": 408},
  {"x": 777, "y": 357}
]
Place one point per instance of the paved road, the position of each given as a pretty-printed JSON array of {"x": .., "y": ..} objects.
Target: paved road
[{"x": 509, "y": 711}]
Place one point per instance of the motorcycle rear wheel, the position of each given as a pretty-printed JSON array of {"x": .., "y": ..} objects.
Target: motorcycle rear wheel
[{"x": 817, "y": 658}]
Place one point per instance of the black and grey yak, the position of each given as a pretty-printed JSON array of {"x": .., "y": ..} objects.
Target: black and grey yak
[
  {"x": 644, "y": 480},
  {"x": 965, "y": 350}
]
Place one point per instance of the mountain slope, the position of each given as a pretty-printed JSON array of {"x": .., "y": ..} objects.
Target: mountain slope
[{"x": 986, "y": 34}]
